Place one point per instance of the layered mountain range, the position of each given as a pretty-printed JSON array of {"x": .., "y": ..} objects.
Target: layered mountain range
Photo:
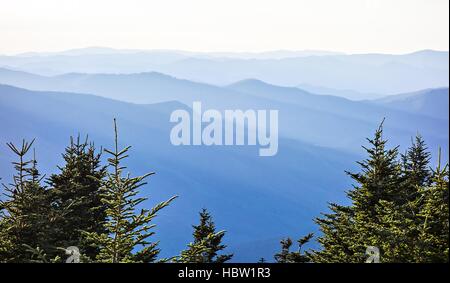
[{"x": 53, "y": 96}]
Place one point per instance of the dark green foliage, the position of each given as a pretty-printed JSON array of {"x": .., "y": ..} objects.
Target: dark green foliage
[
  {"x": 75, "y": 197},
  {"x": 85, "y": 206},
  {"x": 25, "y": 214},
  {"x": 6, "y": 244},
  {"x": 393, "y": 205},
  {"x": 416, "y": 164},
  {"x": 207, "y": 243},
  {"x": 347, "y": 231},
  {"x": 195, "y": 252},
  {"x": 434, "y": 213},
  {"x": 37, "y": 255},
  {"x": 125, "y": 228},
  {"x": 379, "y": 178},
  {"x": 398, "y": 204},
  {"x": 287, "y": 256}
]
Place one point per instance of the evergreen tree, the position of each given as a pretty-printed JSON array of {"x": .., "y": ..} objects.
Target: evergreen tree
[
  {"x": 195, "y": 252},
  {"x": 399, "y": 207},
  {"x": 75, "y": 197},
  {"x": 416, "y": 163},
  {"x": 434, "y": 230},
  {"x": 6, "y": 244},
  {"x": 338, "y": 239},
  {"x": 205, "y": 235},
  {"x": 126, "y": 229},
  {"x": 415, "y": 171},
  {"x": 349, "y": 230},
  {"x": 26, "y": 211},
  {"x": 402, "y": 225},
  {"x": 408, "y": 235},
  {"x": 286, "y": 256}
]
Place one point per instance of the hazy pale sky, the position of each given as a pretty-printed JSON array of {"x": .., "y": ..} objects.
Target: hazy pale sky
[{"x": 353, "y": 26}]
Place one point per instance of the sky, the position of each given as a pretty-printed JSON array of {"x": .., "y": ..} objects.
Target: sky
[{"x": 351, "y": 26}]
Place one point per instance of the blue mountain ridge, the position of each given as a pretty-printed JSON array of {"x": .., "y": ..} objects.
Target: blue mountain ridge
[
  {"x": 365, "y": 73},
  {"x": 272, "y": 198},
  {"x": 320, "y": 137}
]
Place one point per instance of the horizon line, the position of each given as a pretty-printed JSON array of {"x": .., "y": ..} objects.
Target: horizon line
[{"x": 224, "y": 52}]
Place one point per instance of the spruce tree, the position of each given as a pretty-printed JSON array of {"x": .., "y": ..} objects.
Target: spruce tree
[
  {"x": 434, "y": 229},
  {"x": 126, "y": 228},
  {"x": 6, "y": 244},
  {"x": 195, "y": 252},
  {"x": 408, "y": 230},
  {"x": 349, "y": 230},
  {"x": 415, "y": 169},
  {"x": 287, "y": 256},
  {"x": 400, "y": 207},
  {"x": 416, "y": 162},
  {"x": 207, "y": 242},
  {"x": 75, "y": 197},
  {"x": 26, "y": 214},
  {"x": 401, "y": 219},
  {"x": 338, "y": 239}
]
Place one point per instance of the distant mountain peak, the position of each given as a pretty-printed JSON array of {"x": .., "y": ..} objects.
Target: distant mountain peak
[
  {"x": 250, "y": 81},
  {"x": 429, "y": 51},
  {"x": 256, "y": 83}
]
